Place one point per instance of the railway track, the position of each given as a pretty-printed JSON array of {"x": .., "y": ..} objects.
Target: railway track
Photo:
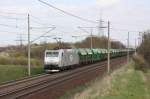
[
  {"x": 34, "y": 85},
  {"x": 11, "y": 81}
]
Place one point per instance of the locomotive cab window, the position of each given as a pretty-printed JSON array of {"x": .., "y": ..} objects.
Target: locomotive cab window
[{"x": 52, "y": 54}]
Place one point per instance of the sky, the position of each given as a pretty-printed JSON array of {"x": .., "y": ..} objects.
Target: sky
[{"x": 124, "y": 16}]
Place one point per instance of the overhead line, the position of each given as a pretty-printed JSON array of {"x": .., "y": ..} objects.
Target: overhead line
[
  {"x": 13, "y": 13},
  {"x": 83, "y": 30},
  {"x": 10, "y": 26},
  {"x": 41, "y": 27},
  {"x": 12, "y": 18},
  {"x": 68, "y": 13},
  {"x": 7, "y": 32},
  {"x": 141, "y": 25},
  {"x": 115, "y": 29},
  {"x": 43, "y": 34},
  {"x": 38, "y": 21}
]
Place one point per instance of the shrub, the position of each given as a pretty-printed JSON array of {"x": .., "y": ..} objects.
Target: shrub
[
  {"x": 144, "y": 48},
  {"x": 98, "y": 42},
  {"x": 19, "y": 61},
  {"x": 140, "y": 63},
  {"x": 4, "y": 60}
]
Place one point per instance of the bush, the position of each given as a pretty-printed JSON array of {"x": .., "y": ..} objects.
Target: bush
[
  {"x": 140, "y": 63},
  {"x": 19, "y": 61},
  {"x": 144, "y": 48},
  {"x": 4, "y": 60},
  {"x": 98, "y": 42}
]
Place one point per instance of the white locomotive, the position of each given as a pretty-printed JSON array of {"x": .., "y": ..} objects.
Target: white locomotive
[{"x": 56, "y": 60}]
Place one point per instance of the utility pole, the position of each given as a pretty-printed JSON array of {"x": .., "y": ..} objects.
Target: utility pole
[
  {"x": 100, "y": 25},
  {"x": 29, "y": 55},
  {"x": 128, "y": 48},
  {"x": 135, "y": 47},
  {"x": 140, "y": 38},
  {"x": 91, "y": 38},
  {"x": 108, "y": 49},
  {"x": 20, "y": 40},
  {"x": 101, "y": 31}
]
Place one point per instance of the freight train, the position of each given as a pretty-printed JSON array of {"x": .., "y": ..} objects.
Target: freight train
[{"x": 61, "y": 59}]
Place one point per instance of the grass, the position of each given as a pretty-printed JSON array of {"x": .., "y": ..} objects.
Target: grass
[
  {"x": 129, "y": 85},
  {"x": 13, "y": 72},
  {"x": 124, "y": 83}
]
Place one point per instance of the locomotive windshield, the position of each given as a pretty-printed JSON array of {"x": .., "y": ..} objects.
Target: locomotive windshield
[{"x": 51, "y": 54}]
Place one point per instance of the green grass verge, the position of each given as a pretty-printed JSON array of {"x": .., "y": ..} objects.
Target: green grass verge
[
  {"x": 124, "y": 83},
  {"x": 13, "y": 72},
  {"x": 129, "y": 85}
]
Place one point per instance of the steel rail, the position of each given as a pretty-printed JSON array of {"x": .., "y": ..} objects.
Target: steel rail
[
  {"x": 55, "y": 83},
  {"x": 78, "y": 72},
  {"x": 53, "y": 80},
  {"x": 15, "y": 82}
]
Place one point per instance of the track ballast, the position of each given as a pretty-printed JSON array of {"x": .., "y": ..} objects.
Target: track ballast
[{"x": 52, "y": 86}]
